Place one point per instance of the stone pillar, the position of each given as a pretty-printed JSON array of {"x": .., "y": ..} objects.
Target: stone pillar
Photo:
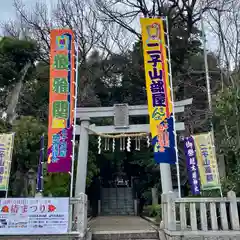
[
  {"x": 221, "y": 166},
  {"x": 234, "y": 218},
  {"x": 81, "y": 214},
  {"x": 31, "y": 183},
  {"x": 168, "y": 211},
  {"x": 82, "y": 157},
  {"x": 166, "y": 177},
  {"x": 154, "y": 196},
  {"x": 99, "y": 207},
  {"x": 135, "y": 202}
]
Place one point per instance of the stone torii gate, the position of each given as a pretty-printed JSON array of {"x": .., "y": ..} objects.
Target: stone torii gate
[{"x": 121, "y": 113}]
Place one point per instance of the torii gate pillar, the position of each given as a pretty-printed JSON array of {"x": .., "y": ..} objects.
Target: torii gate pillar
[
  {"x": 82, "y": 156},
  {"x": 166, "y": 178}
]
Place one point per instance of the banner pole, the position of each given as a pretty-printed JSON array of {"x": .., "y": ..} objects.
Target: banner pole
[
  {"x": 173, "y": 110},
  {"x": 208, "y": 84},
  {"x": 39, "y": 188},
  {"x": 42, "y": 179},
  {"x": 74, "y": 133},
  {"x": 75, "y": 119}
]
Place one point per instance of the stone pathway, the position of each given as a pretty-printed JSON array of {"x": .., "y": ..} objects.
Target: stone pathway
[{"x": 120, "y": 223}]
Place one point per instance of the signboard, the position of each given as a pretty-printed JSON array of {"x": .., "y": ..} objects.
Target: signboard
[
  {"x": 61, "y": 100},
  {"x": 160, "y": 106},
  {"x": 192, "y": 165},
  {"x": 32, "y": 216},
  {"x": 6, "y": 148},
  {"x": 207, "y": 162}
]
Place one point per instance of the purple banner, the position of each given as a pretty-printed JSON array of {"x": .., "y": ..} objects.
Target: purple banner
[
  {"x": 192, "y": 166},
  {"x": 60, "y": 151}
]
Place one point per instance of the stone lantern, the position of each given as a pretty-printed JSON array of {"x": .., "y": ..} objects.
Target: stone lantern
[{"x": 31, "y": 186}]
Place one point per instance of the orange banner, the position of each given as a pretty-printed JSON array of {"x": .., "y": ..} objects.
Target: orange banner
[{"x": 61, "y": 100}]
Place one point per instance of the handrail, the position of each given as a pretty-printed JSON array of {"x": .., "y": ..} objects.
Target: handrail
[{"x": 200, "y": 215}]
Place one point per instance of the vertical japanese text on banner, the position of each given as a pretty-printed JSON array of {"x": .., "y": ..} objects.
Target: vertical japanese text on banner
[
  {"x": 192, "y": 165},
  {"x": 207, "y": 161},
  {"x": 158, "y": 90},
  {"x": 6, "y": 149},
  {"x": 61, "y": 102}
]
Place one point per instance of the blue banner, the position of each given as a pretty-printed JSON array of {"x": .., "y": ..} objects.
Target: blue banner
[{"x": 192, "y": 165}]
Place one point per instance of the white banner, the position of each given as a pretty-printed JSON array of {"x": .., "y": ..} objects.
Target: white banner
[
  {"x": 207, "y": 161},
  {"x": 32, "y": 216},
  {"x": 6, "y": 148}
]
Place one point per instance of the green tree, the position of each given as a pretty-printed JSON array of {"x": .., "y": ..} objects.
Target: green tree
[
  {"x": 28, "y": 131},
  {"x": 56, "y": 184},
  {"x": 227, "y": 124},
  {"x": 35, "y": 91},
  {"x": 14, "y": 55},
  {"x": 16, "y": 67}
]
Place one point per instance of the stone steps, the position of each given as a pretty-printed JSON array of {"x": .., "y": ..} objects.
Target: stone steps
[
  {"x": 126, "y": 235},
  {"x": 117, "y": 213},
  {"x": 117, "y": 204}
]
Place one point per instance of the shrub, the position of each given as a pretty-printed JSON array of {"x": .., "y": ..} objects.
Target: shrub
[{"x": 152, "y": 210}]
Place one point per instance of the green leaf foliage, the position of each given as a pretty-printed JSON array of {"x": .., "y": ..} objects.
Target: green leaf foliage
[
  {"x": 14, "y": 55},
  {"x": 28, "y": 131}
]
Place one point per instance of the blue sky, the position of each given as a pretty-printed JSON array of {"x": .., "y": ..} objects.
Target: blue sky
[{"x": 8, "y": 11}]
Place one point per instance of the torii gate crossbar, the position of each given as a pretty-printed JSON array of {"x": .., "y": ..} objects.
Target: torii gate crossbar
[{"x": 85, "y": 115}]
